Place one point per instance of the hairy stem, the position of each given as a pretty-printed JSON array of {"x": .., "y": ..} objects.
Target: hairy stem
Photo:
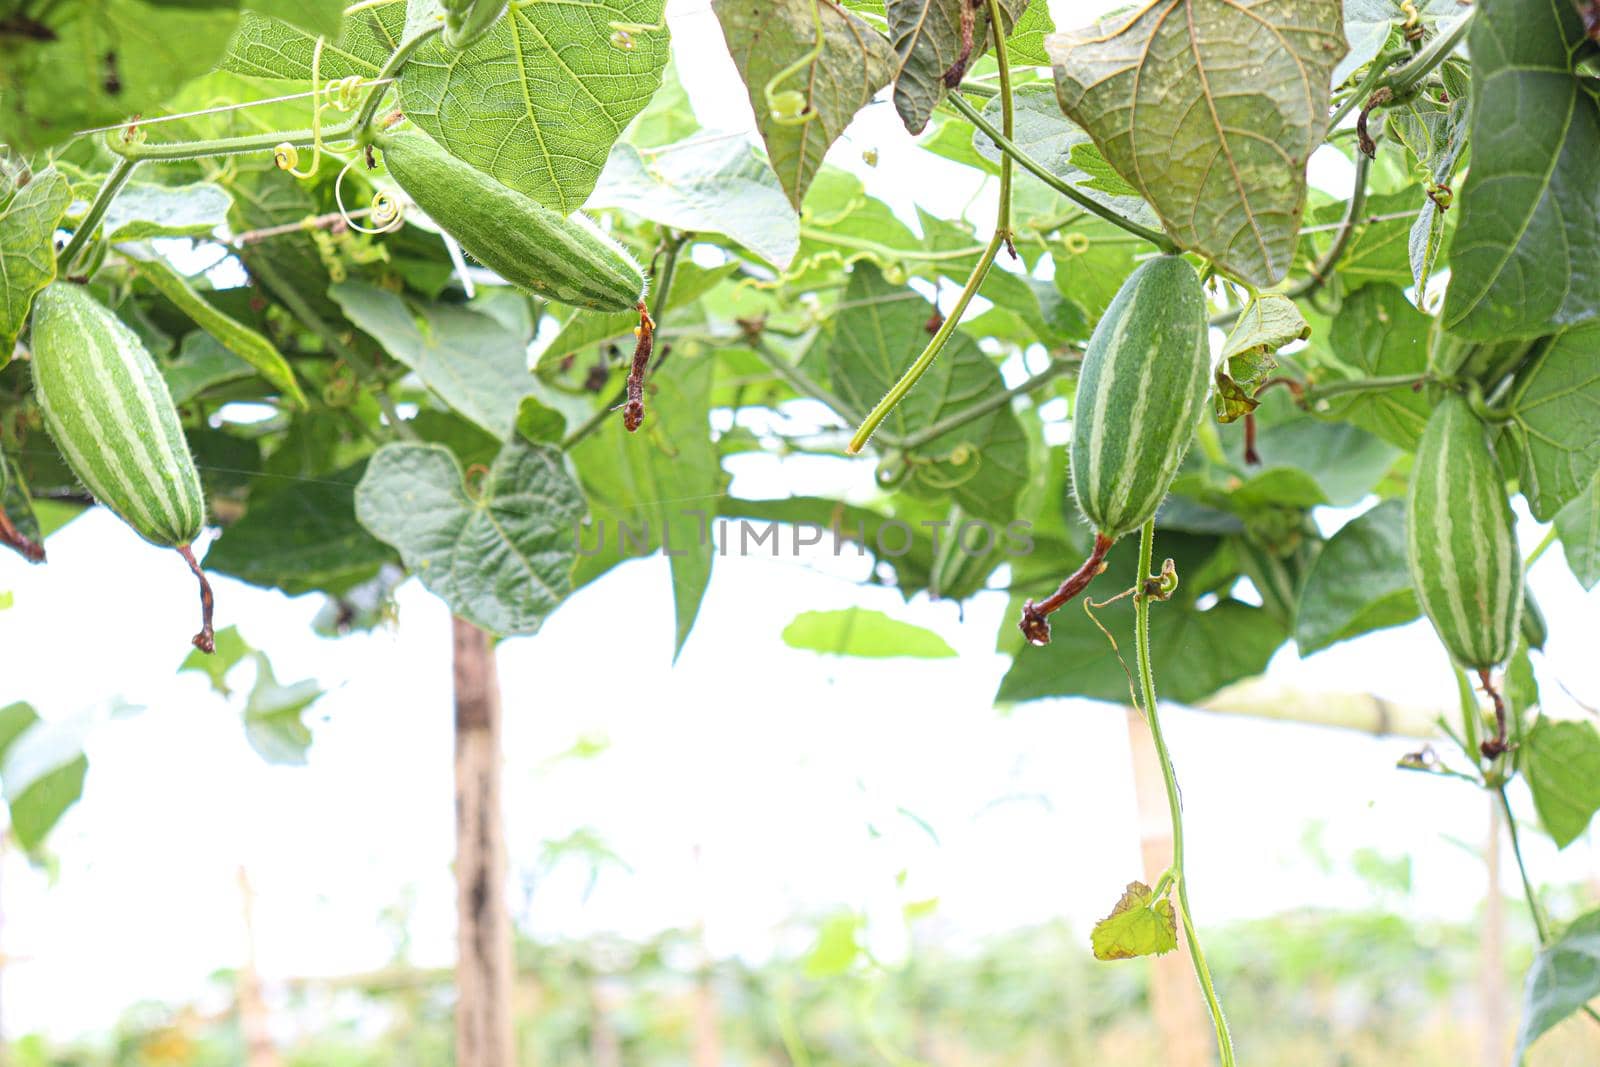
[
  {"x": 1147, "y": 683},
  {"x": 992, "y": 402},
  {"x": 1405, "y": 79},
  {"x": 91, "y": 220},
  {"x": 1010, "y": 150}
]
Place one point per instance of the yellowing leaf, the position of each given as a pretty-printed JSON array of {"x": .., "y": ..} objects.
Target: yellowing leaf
[
  {"x": 1210, "y": 108},
  {"x": 1266, "y": 325},
  {"x": 1139, "y": 925}
]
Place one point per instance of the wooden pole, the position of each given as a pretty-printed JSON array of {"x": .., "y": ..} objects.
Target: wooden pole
[
  {"x": 1175, "y": 1001},
  {"x": 484, "y": 1031},
  {"x": 1491, "y": 949},
  {"x": 253, "y": 1019}
]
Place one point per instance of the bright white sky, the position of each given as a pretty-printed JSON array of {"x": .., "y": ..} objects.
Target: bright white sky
[{"x": 768, "y": 763}]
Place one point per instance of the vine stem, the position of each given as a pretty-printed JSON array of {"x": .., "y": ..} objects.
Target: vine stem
[
  {"x": 1403, "y": 80},
  {"x": 1147, "y": 683},
  {"x": 1543, "y": 546},
  {"x": 174, "y": 151},
  {"x": 1361, "y": 385},
  {"x": 1002, "y": 236},
  {"x": 97, "y": 211},
  {"x": 1011, "y": 150},
  {"x": 1375, "y": 75}
]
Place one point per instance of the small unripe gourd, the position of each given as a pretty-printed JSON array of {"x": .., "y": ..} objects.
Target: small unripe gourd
[
  {"x": 109, "y": 412},
  {"x": 1140, "y": 394},
  {"x": 1461, "y": 544},
  {"x": 467, "y": 20},
  {"x": 527, "y": 244}
]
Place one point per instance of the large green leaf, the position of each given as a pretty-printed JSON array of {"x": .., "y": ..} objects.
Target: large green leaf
[
  {"x": 107, "y": 60},
  {"x": 501, "y": 556},
  {"x": 266, "y": 47},
  {"x": 540, "y": 99},
  {"x": 27, "y": 251},
  {"x": 708, "y": 184},
  {"x": 982, "y": 465},
  {"x": 42, "y": 767},
  {"x": 1378, "y": 333},
  {"x": 1562, "y": 763},
  {"x": 665, "y": 479},
  {"x": 864, "y": 633},
  {"x": 928, "y": 38},
  {"x": 144, "y": 210},
  {"x": 765, "y": 37},
  {"x": 1522, "y": 260},
  {"x": 1201, "y": 651},
  {"x": 1210, "y": 108},
  {"x": 315, "y": 16},
  {"x": 1564, "y": 977},
  {"x": 1359, "y": 582},
  {"x": 1555, "y": 408},
  {"x": 469, "y": 360},
  {"x": 1578, "y": 523},
  {"x": 299, "y": 536}
]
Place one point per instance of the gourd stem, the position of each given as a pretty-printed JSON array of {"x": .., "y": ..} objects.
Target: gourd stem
[
  {"x": 97, "y": 211},
  {"x": 1147, "y": 682},
  {"x": 1010, "y": 150},
  {"x": 1435, "y": 52},
  {"x": 1001, "y": 238},
  {"x": 1358, "y": 96}
]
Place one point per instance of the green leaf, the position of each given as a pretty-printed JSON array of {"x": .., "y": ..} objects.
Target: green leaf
[
  {"x": 1025, "y": 45},
  {"x": 1248, "y": 355},
  {"x": 928, "y": 39},
  {"x": 299, "y": 536},
  {"x": 540, "y": 99},
  {"x": 27, "y": 250},
  {"x": 1102, "y": 175},
  {"x": 42, "y": 767},
  {"x": 1521, "y": 261},
  {"x": 500, "y": 557},
  {"x": 1359, "y": 582},
  {"x": 1578, "y": 524},
  {"x": 1201, "y": 651},
  {"x": 538, "y": 423},
  {"x": 983, "y": 465},
  {"x": 864, "y": 633},
  {"x": 1554, "y": 406},
  {"x": 266, "y": 47},
  {"x": 838, "y": 945},
  {"x": 1210, "y": 109},
  {"x": 1564, "y": 977},
  {"x": 142, "y": 211},
  {"x": 231, "y": 649},
  {"x": 711, "y": 183},
  {"x": 468, "y": 359},
  {"x": 1368, "y": 23},
  {"x": 272, "y": 715},
  {"x": 244, "y": 342},
  {"x": 315, "y": 16},
  {"x": 1140, "y": 925},
  {"x": 201, "y": 364},
  {"x": 1562, "y": 764},
  {"x": 106, "y": 62},
  {"x": 1378, "y": 333},
  {"x": 665, "y": 478},
  {"x": 767, "y": 36}
]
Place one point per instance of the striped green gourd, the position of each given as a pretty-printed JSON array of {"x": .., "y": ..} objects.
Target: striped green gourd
[
  {"x": 1460, "y": 539},
  {"x": 527, "y": 244},
  {"x": 467, "y": 20},
  {"x": 109, "y": 412},
  {"x": 1140, "y": 394}
]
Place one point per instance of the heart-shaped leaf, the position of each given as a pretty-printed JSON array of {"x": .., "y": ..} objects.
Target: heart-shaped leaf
[{"x": 501, "y": 558}]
